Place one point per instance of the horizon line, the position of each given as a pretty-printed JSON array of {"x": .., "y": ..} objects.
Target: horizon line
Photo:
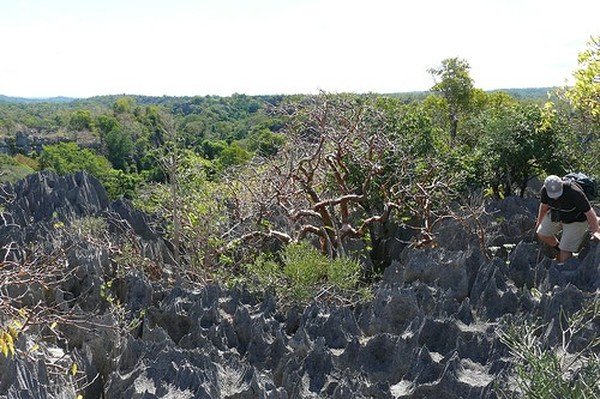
[{"x": 74, "y": 98}]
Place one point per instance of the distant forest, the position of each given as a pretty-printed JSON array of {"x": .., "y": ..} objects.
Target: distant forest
[{"x": 532, "y": 93}]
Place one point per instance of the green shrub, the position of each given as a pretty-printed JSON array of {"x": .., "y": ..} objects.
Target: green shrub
[
  {"x": 66, "y": 158},
  {"x": 344, "y": 273},
  {"x": 120, "y": 184},
  {"x": 267, "y": 273},
  {"x": 233, "y": 155},
  {"x": 305, "y": 268},
  {"x": 81, "y": 119},
  {"x": 303, "y": 273}
]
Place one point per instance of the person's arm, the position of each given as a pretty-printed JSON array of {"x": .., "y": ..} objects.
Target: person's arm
[
  {"x": 593, "y": 223},
  {"x": 542, "y": 211}
]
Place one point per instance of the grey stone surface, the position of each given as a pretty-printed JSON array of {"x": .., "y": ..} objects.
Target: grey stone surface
[{"x": 431, "y": 330}]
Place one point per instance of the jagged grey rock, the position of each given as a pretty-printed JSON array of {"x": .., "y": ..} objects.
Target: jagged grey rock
[
  {"x": 437, "y": 266},
  {"x": 431, "y": 329}
]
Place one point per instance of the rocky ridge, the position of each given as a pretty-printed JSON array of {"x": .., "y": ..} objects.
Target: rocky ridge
[{"x": 431, "y": 330}]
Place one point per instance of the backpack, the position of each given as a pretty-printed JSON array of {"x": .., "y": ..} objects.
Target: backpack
[{"x": 587, "y": 184}]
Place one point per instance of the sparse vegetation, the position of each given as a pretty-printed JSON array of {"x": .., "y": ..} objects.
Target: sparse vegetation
[
  {"x": 12, "y": 169},
  {"x": 568, "y": 369}
]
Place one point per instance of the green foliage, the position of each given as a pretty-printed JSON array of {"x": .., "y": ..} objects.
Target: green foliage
[
  {"x": 153, "y": 119},
  {"x": 121, "y": 184},
  {"x": 344, "y": 272},
  {"x": 124, "y": 105},
  {"x": 27, "y": 161},
  {"x": 106, "y": 123},
  {"x": 66, "y": 158},
  {"x": 81, "y": 119},
  {"x": 537, "y": 95},
  {"x": 225, "y": 155},
  {"x": 267, "y": 273},
  {"x": 11, "y": 170},
  {"x": 582, "y": 110},
  {"x": 453, "y": 82},
  {"x": 119, "y": 147},
  {"x": 265, "y": 142},
  {"x": 411, "y": 126},
  {"x": 303, "y": 272},
  {"x": 197, "y": 203},
  {"x": 213, "y": 149},
  {"x": 232, "y": 118},
  {"x": 233, "y": 155},
  {"x": 51, "y": 116},
  {"x": 305, "y": 268},
  {"x": 585, "y": 93},
  {"x": 518, "y": 142}
]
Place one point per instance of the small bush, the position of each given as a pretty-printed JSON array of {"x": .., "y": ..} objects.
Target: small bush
[
  {"x": 304, "y": 273},
  {"x": 267, "y": 273},
  {"x": 344, "y": 273},
  {"x": 304, "y": 267}
]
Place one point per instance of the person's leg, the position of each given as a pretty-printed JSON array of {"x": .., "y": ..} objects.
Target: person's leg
[
  {"x": 547, "y": 231},
  {"x": 550, "y": 240},
  {"x": 563, "y": 256},
  {"x": 571, "y": 239}
]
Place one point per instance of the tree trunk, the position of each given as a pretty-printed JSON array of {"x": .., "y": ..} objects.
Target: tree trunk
[
  {"x": 453, "y": 127},
  {"x": 524, "y": 186}
]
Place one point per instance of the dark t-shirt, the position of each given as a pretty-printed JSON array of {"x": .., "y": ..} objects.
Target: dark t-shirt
[{"x": 571, "y": 205}]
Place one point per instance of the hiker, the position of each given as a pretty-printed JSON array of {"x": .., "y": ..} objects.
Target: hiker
[{"x": 564, "y": 206}]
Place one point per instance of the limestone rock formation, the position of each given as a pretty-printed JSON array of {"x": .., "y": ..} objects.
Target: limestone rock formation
[{"x": 429, "y": 332}]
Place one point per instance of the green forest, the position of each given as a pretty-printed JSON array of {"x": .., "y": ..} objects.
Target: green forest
[{"x": 242, "y": 182}]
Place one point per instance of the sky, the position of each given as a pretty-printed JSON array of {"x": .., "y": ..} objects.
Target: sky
[{"x": 84, "y": 48}]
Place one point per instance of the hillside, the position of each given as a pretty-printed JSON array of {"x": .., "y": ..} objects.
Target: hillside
[
  {"x": 530, "y": 94},
  {"x": 533, "y": 93},
  {"x": 23, "y": 100}
]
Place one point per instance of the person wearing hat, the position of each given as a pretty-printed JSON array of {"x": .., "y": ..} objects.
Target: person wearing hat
[{"x": 564, "y": 206}]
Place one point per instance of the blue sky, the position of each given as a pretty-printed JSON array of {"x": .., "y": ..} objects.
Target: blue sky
[{"x": 182, "y": 47}]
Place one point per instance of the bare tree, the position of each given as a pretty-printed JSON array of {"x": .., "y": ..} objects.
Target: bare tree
[
  {"x": 170, "y": 158},
  {"x": 339, "y": 174}
]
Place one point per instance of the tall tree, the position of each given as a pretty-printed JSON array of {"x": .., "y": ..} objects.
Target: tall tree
[
  {"x": 585, "y": 93},
  {"x": 453, "y": 82},
  {"x": 338, "y": 178},
  {"x": 584, "y": 96}
]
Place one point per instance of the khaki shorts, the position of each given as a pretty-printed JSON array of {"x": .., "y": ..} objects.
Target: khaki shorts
[{"x": 572, "y": 233}]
